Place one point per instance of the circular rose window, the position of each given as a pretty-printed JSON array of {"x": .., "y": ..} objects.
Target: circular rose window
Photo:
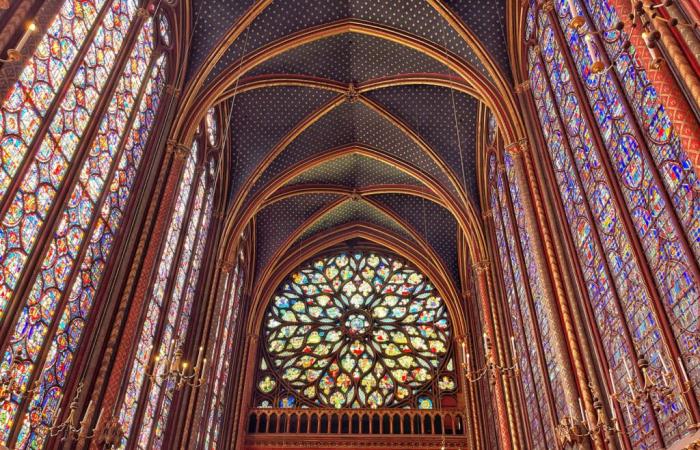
[{"x": 355, "y": 330}]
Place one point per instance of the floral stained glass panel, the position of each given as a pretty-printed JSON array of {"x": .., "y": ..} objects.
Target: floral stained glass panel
[{"x": 356, "y": 330}]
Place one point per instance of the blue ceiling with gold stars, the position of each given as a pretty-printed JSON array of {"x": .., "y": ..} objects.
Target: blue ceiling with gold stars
[{"x": 350, "y": 112}]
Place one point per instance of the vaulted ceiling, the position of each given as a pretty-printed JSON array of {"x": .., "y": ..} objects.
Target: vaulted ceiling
[{"x": 341, "y": 116}]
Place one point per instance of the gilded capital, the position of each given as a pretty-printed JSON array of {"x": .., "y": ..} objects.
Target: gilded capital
[
  {"x": 522, "y": 87},
  {"x": 481, "y": 266},
  {"x": 180, "y": 151},
  {"x": 225, "y": 265}
]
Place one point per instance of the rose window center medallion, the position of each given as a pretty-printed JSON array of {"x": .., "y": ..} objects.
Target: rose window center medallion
[
  {"x": 357, "y": 323},
  {"x": 356, "y": 330}
]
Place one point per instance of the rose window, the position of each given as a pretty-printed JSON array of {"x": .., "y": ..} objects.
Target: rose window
[{"x": 357, "y": 330}]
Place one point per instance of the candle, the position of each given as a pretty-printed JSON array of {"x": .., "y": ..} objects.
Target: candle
[
  {"x": 627, "y": 369},
  {"x": 199, "y": 356},
  {"x": 612, "y": 408},
  {"x": 99, "y": 418},
  {"x": 580, "y": 405},
  {"x": 31, "y": 27},
  {"x": 486, "y": 343},
  {"x": 468, "y": 364},
  {"x": 204, "y": 368},
  {"x": 663, "y": 362},
  {"x": 464, "y": 350},
  {"x": 577, "y": 20},
  {"x": 683, "y": 372},
  {"x": 86, "y": 416},
  {"x": 612, "y": 382},
  {"x": 629, "y": 414},
  {"x": 650, "y": 43},
  {"x": 512, "y": 347},
  {"x": 597, "y": 65}
]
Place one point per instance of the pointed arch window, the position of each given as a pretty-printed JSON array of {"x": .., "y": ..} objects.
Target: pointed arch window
[
  {"x": 68, "y": 168},
  {"x": 169, "y": 306},
  {"x": 536, "y": 390},
  {"x": 629, "y": 195},
  {"x": 225, "y": 339}
]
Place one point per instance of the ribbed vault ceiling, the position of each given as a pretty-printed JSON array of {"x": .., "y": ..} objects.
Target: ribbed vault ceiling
[{"x": 350, "y": 128}]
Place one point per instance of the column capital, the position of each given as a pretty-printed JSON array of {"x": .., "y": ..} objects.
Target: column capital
[
  {"x": 171, "y": 90},
  {"x": 522, "y": 87},
  {"x": 225, "y": 265},
  {"x": 179, "y": 150},
  {"x": 481, "y": 266}
]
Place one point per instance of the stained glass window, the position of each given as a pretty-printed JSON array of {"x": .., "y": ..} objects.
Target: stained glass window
[
  {"x": 533, "y": 377},
  {"x": 28, "y": 101},
  {"x": 629, "y": 195},
  {"x": 31, "y": 196},
  {"x": 157, "y": 298},
  {"x": 46, "y": 331},
  {"x": 225, "y": 347},
  {"x": 355, "y": 330},
  {"x": 212, "y": 127},
  {"x": 171, "y": 303}
]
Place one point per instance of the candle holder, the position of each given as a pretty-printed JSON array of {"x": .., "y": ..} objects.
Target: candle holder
[
  {"x": 174, "y": 369},
  {"x": 573, "y": 430},
  {"x": 653, "y": 388},
  {"x": 491, "y": 369},
  {"x": 108, "y": 433}
]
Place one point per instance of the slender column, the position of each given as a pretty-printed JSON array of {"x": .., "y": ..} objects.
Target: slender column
[
  {"x": 685, "y": 123},
  {"x": 211, "y": 342},
  {"x": 470, "y": 388},
  {"x": 531, "y": 304},
  {"x": 522, "y": 431},
  {"x": 516, "y": 381},
  {"x": 481, "y": 270}
]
